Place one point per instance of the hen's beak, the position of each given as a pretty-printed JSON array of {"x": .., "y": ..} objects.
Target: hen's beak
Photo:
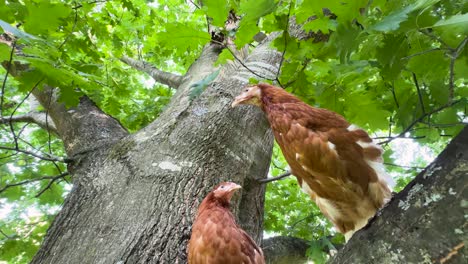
[
  {"x": 238, "y": 100},
  {"x": 234, "y": 187}
]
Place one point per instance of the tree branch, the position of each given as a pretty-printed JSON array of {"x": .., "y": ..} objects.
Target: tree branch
[
  {"x": 416, "y": 83},
  {"x": 52, "y": 178},
  {"x": 284, "y": 175},
  {"x": 285, "y": 250},
  {"x": 38, "y": 118},
  {"x": 403, "y": 166},
  {"x": 62, "y": 175},
  {"x": 49, "y": 157},
  {"x": 167, "y": 78},
  {"x": 417, "y": 120},
  {"x": 455, "y": 54}
]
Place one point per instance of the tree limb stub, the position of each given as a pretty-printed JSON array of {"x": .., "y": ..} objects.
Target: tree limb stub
[
  {"x": 170, "y": 79},
  {"x": 38, "y": 118}
]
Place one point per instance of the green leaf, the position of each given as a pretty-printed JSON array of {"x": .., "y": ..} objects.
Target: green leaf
[
  {"x": 70, "y": 96},
  {"x": 254, "y": 9},
  {"x": 245, "y": 33},
  {"x": 223, "y": 57},
  {"x": 218, "y": 10},
  {"x": 5, "y": 52},
  {"x": 309, "y": 8},
  {"x": 323, "y": 25},
  {"x": 182, "y": 38},
  {"x": 316, "y": 253},
  {"x": 392, "y": 21},
  {"x": 453, "y": 20},
  {"x": 390, "y": 56},
  {"x": 45, "y": 16}
]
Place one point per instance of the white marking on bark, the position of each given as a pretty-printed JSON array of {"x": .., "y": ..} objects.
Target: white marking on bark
[
  {"x": 331, "y": 146},
  {"x": 434, "y": 197},
  {"x": 298, "y": 156},
  {"x": 167, "y": 165}
]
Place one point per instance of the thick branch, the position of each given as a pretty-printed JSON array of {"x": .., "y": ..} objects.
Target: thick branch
[
  {"x": 83, "y": 128},
  {"x": 425, "y": 222},
  {"x": 167, "y": 78},
  {"x": 285, "y": 250},
  {"x": 38, "y": 118}
]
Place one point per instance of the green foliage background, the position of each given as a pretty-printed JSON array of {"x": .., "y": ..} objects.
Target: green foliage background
[{"x": 396, "y": 68}]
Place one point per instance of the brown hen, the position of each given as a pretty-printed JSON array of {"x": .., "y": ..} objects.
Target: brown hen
[
  {"x": 216, "y": 238},
  {"x": 336, "y": 163}
]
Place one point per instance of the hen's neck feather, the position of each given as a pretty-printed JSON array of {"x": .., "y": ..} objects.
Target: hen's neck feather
[
  {"x": 211, "y": 201},
  {"x": 272, "y": 95}
]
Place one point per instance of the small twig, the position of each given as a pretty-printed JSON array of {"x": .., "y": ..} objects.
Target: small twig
[
  {"x": 71, "y": 32},
  {"x": 420, "y": 53},
  {"x": 394, "y": 95},
  {"x": 284, "y": 175},
  {"x": 33, "y": 180},
  {"x": 89, "y": 3},
  {"x": 445, "y": 125},
  {"x": 418, "y": 120},
  {"x": 198, "y": 7},
  {"x": 436, "y": 38},
  {"x": 47, "y": 123},
  {"x": 403, "y": 166},
  {"x": 304, "y": 66},
  {"x": 399, "y": 136},
  {"x": 455, "y": 53},
  {"x": 15, "y": 137},
  {"x": 285, "y": 33},
  {"x": 13, "y": 46},
  {"x": 50, "y": 183},
  {"x": 242, "y": 63},
  {"x": 49, "y": 158},
  {"x": 5, "y": 235},
  {"x": 415, "y": 79},
  {"x": 452, "y": 253},
  {"x": 301, "y": 220}
]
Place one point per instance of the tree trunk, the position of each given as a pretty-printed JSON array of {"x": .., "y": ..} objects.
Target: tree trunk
[
  {"x": 424, "y": 223},
  {"x": 134, "y": 196}
]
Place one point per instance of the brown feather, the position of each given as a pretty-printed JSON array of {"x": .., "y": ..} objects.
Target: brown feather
[
  {"x": 338, "y": 165},
  {"x": 216, "y": 238}
]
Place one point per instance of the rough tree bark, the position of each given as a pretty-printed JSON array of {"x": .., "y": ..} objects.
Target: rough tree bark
[{"x": 134, "y": 196}]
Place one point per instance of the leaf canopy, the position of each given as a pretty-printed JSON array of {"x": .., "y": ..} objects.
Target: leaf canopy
[{"x": 397, "y": 68}]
